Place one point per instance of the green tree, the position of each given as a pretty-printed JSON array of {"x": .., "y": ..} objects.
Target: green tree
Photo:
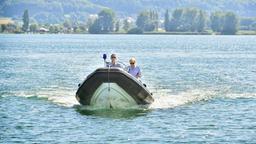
[
  {"x": 82, "y": 28},
  {"x": 166, "y": 20},
  {"x": 230, "y": 23},
  {"x": 201, "y": 21},
  {"x": 217, "y": 21},
  {"x": 106, "y": 20},
  {"x": 142, "y": 20},
  {"x": 176, "y": 20},
  {"x": 3, "y": 28},
  {"x": 135, "y": 31},
  {"x": 91, "y": 20},
  {"x": 51, "y": 29},
  {"x": 127, "y": 25},
  {"x": 67, "y": 24},
  {"x": 117, "y": 26},
  {"x": 54, "y": 29},
  {"x": 187, "y": 19},
  {"x": 33, "y": 28},
  {"x": 95, "y": 28},
  {"x": 155, "y": 20},
  {"x": 147, "y": 20},
  {"x": 12, "y": 28},
  {"x": 104, "y": 23},
  {"x": 25, "y": 21}
]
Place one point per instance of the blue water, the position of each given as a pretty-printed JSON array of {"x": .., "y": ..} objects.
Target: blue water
[{"x": 204, "y": 89}]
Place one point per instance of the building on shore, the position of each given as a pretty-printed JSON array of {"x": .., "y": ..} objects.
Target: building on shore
[
  {"x": 6, "y": 21},
  {"x": 43, "y": 30}
]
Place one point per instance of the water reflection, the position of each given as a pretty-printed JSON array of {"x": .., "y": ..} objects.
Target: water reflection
[{"x": 112, "y": 113}]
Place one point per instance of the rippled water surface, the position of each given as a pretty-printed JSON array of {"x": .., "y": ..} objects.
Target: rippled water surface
[{"x": 204, "y": 89}]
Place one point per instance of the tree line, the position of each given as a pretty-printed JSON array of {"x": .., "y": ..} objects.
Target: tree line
[
  {"x": 187, "y": 19},
  {"x": 179, "y": 20}
]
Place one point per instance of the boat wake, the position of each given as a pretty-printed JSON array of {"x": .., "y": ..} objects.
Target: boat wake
[
  {"x": 59, "y": 95},
  {"x": 168, "y": 100},
  {"x": 163, "y": 98}
]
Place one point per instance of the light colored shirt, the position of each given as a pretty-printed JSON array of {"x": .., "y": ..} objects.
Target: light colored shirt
[
  {"x": 109, "y": 64},
  {"x": 134, "y": 71}
]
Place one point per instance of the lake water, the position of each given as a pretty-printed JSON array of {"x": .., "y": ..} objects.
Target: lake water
[{"x": 204, "y": 89}]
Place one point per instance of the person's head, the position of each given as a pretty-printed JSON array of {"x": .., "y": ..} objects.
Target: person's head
[
  {"x": 113, "y": 58},
  {"x": 132, "y": 62}
]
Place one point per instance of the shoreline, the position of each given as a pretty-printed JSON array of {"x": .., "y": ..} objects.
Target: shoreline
[{"x": 149, "y": 33}]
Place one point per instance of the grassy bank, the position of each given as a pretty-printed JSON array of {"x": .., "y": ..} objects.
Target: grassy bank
[
  {"x": 177, "y": 33},
  {"x": 246, "y": 33}
]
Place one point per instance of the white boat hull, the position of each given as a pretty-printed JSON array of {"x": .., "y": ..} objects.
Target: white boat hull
[{"x": 110, "y": 95}]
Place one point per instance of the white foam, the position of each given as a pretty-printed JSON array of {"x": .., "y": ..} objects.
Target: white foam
[
  {"x": 163, "y": 98},
  {"x": 240, "y": 95},
  {"x": 59, "y": 95}
]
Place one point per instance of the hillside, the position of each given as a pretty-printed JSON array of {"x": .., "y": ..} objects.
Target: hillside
[
  {"x": 48, "y": 11},
  {"x": 246, "y": 8}
]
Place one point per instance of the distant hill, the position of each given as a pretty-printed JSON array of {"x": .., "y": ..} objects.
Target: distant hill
[
  {"x": 55, "y": 11},
  {"x": 246, "y": 8},
  {"x": 49, "y": 11}
]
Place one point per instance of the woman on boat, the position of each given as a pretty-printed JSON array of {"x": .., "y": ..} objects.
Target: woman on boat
[{"x": 133, "y": 69}]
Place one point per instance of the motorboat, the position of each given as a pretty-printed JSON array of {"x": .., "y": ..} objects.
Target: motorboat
[{"x": 111, "y": 87}]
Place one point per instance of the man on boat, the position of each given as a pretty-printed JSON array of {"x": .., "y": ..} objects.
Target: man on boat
[
  {"x": 113, "y": 62},
  {"x": 133, "y": 69}
]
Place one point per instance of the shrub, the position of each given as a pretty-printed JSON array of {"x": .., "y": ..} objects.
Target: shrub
[{"x": 135, "y": 31}]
